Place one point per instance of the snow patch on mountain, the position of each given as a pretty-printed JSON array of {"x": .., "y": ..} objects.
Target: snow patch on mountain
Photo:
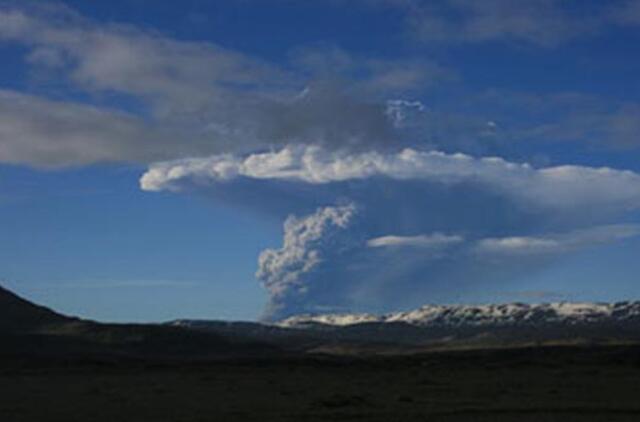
[{"x": 483, "y": 315}]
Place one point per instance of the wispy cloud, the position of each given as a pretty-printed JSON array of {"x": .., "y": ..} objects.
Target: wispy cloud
[
  {"x": 545, "y": 23},
  {"x": 192, "y": 98},
  {"x": 427, "y": 241},
  {"x": 47, "y": 133},
  {"x": 554, "y": 244}
]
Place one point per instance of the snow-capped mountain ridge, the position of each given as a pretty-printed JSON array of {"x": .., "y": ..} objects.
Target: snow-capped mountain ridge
[
  {"x": 510, "y": 314},
  {"x": 499, "y": 325}
]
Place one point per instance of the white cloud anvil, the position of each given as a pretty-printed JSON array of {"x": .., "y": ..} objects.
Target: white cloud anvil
[{"x": 559, "y": 187}]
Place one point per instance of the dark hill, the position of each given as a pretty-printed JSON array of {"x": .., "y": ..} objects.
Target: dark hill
[
  {"x": 18, "y": 315},
  {"x": 27, "y": 329}
]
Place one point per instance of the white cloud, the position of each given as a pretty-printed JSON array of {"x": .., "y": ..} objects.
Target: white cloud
[
  {"x": 48, "y": 133},
  {"x": 177, "y": 76},
  {"x": 560, "y": 187},
  {"x": 198, "y": 97},
  {"x": 190, "y": 93},
  {"x": 553, "y": 244},
  {"x": 399, "y": 110},
  {"x": 430, "y": 241},
  {"x": 519, "y": 245}
]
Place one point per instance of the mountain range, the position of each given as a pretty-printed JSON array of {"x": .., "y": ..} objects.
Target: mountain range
[
  {"x": 30, "y": 329},
  {"x": 510, "y": 314},
  {"x": 446, "y": 326}
]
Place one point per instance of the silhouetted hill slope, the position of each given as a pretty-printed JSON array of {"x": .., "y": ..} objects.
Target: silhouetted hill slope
[
  {"x": 27, "y": 329},
  {"x": 18, "y": 315}
]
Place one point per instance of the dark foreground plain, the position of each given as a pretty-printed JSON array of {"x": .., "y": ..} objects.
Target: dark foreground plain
[{"x": 531, "y": 384}]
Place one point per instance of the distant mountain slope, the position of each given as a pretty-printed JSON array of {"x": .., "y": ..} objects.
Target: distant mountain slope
[{"x": 20, "y": 315}]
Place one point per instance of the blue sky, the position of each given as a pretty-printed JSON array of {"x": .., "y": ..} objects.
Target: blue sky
[{"x": 415, "y": 152}]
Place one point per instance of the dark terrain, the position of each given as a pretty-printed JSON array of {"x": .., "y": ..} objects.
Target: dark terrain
[{"x": 54, "y": 368}]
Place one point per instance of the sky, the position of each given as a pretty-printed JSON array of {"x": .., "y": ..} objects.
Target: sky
[{"x": 251, "y": 160}]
